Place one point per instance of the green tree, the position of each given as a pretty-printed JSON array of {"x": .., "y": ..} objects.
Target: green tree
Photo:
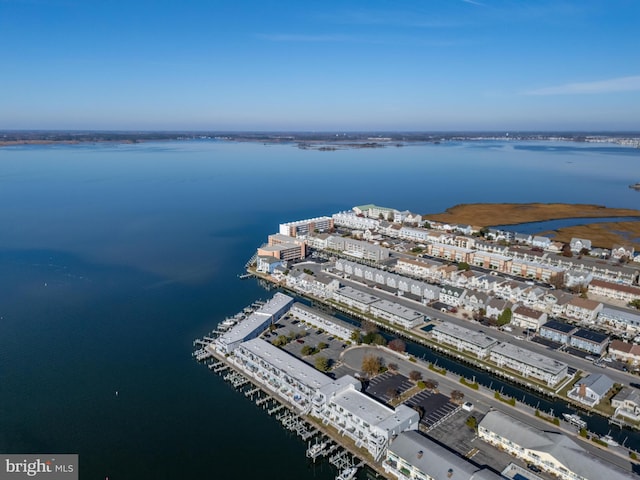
[
  {"x": 322, "y": 364},
  {"x": 635, "y": 304},
  {"x": 322, "y": 346},
  {"x": 463, "y": 266},
  {"x": 504, "y": 317}
]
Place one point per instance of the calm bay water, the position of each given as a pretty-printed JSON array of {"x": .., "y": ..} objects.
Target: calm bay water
[{"x": 114, "y": 258}]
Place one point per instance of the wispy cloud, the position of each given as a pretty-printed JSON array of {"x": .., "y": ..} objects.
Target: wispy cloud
[
  {"x": 612, "y": 85},
  {"x": 473, "y": 2},
  {"x": 294, "y": 37}
]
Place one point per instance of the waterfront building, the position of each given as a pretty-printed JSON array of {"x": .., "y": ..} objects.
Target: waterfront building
[
  {"x": 541, "y": 242},
  {"x": 397, "y": 314},
  {"x": 621, "y": 319},
  {"x": 255, "y": 324},
  {"x": 589, "y": 341},
  {"x": 452, "y": 296},
  {"x": 557, "y": 331},
  {"x": 318, "y": 241},
  {"x": 283, "y": 247},
  {"x": 332, "y": 325},
  {"x": 625, "y": 293},
  {"x": 464, "y": 339},
  {"x": 625, "y": 352},
  {"x": 583, "y": 309},
  {"x": 284, "y": 375},
  {"x": 355, "y": 299},
  {"x": 591, "y": 389},
  {"x": 528, "y": 363},
  {"x": 529, "y": 318},
  {"x": 374, "y": 211},
  {"x": 627, "y": 403},
  {"x": 268, "y": 264},
  {"x": 368, "y": 423},
  {"x": 577, "y": 244},
  {"x": 412, "y": 456},
  {"x": 407, "y": 217},
  {"x": 354, "y": 221},
  {"x": 302, "y": 282},
  {"x": 619, "y": 252},
  {"x": 550, "y": 451},
  {"x": 302, "y": 228}
]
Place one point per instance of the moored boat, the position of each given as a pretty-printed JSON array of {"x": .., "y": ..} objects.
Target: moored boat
[{"x": 574, "y": 419}]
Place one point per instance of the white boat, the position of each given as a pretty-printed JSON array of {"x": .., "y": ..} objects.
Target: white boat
[
  {"x": 574, "y": 419},
  {"x": 314, "y": 450},
  {"x": 609, "y": 441},
  {"x": 348, "y": 473}
]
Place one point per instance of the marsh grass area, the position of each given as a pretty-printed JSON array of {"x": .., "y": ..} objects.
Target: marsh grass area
[{"x": 601, "y": 234}]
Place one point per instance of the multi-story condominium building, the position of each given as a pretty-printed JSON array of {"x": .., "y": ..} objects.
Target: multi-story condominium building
[
  {"x": 283, "y": 247},
  {"x": 625, "y": 352},
  {"x": 255, "y": 324},
  {"x": 577, "y": 277},
  {"x": 414, "y": 234},
  {"x": 510, "y": 290},
  {"x": 493, "y": 261},
  {"x": 464, "y": 339},
  {"x": 355, "y": 299},
  {"x": 365, "y": 250},
  {"x": 354, "y": 221},
  {"x": 374, "y": 211},
  {"x": 486, "y": 283},
  {"x": 302, "y": 228},
  {"x": 589, "y": 341},
  {"x": 418, "y": 267},
  {"x": 551, "y": 451},
  {"x": 591, "y": 389},
  {"x": 450, "y": 252},
  {"x": 528, "y": 363},
  {"x": 287, "y": 377},
  {"x": 406, "y": 217},
  {"x": 583, "y": 309},
  {"x": 329, "y": 324},
  {"x": 404, "y": 286},
  {"x": 536, "y": 270},
  {"x": 532, "y": 297},
  {"x": 620, "y": 319},
  {"x": 556, "y": 302},
  {"x": 412, "y": 456},
  {"x": 526, "y": 317},
  {"x": 617, "y": 291},
  {"x": 452, "y": 296},
  {"x": 397, "y": 314},
  {"x": 557, "y": 331},
  {"x": 368, "y": 423}
]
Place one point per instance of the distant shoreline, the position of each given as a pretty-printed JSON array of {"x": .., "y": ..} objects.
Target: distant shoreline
[{"x": 323, "y": 141}]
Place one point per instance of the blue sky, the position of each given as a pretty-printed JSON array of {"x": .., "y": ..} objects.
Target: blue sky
[{"x": 320, "y": 65}]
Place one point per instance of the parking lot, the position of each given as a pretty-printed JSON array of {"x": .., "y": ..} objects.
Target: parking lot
[
  {"x": 388, "y": 385},
  {"x": 436, "y": 407},
  {"x": 306, "y": 335}
]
